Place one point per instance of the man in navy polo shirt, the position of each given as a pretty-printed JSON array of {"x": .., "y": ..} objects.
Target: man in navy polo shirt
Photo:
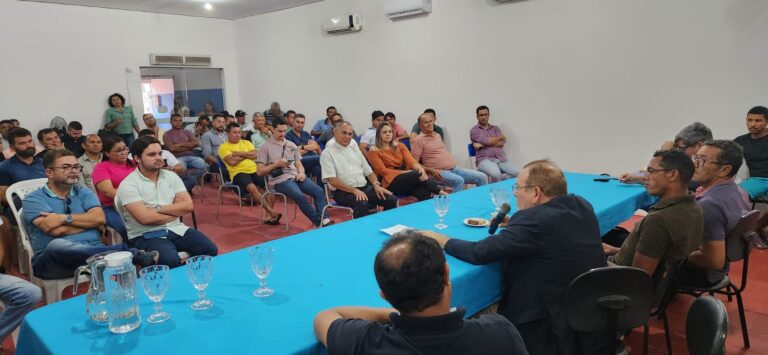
[
  {"x": 64, "y": 221},
  {"x": 309, "y": 149},
  {"x": 414, "y": 278}
]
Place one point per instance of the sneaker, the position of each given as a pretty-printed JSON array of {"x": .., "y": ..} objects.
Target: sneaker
[
  {"x": 274, "y": 220},
  {"x": 326, "y": 222},
  {"x": 146, "y": 258}
]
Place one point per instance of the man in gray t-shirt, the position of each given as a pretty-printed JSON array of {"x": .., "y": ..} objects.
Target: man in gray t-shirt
[{"x": 722, "y": 203}]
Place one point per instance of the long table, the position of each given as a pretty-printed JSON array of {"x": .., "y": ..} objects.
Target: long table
[{"x": 312, "y": 271}]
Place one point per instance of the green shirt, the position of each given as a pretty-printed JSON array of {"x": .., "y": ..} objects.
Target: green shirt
[
  {"x": 137, "y": 188},
  {"x": 129, "y": 120},
  {"x": 416, "y": 129}
]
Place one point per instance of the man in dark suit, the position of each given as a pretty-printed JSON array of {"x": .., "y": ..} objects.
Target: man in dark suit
[{"x": 552, "y": 239}]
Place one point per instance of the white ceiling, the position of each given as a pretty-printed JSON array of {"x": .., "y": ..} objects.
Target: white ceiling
[{"x": 223, "y": 9}]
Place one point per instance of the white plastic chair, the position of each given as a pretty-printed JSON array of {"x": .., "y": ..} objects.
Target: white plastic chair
[
  {"x": 331, "y": 204},
  {"x": 51, "y": 288}
]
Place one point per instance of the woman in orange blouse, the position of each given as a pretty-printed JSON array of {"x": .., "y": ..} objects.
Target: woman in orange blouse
[{"x": 399, "y": 172}]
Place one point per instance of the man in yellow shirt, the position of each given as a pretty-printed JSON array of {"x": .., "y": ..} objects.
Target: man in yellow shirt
[{"x": 238, "y": 156}]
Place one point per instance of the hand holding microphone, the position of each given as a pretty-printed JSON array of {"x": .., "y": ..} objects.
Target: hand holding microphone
[{"x": 503, "y": 210}]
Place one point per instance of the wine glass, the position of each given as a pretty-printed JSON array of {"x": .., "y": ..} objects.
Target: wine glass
[
  {"x": 499, "y": 196},
  {"x": 441, "y": 208},
  {"x": 261, "y": 264},
  {"x": 200, "y": 271},
  {"x": 155, "y": 281}
]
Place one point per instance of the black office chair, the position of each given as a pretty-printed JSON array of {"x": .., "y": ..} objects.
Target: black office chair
[
  {"x": 706, "y": 327},
  {"x": 609, "y": 299},
  {"x": 664, "y": 290},
  {"x": 738, "y": 245}
]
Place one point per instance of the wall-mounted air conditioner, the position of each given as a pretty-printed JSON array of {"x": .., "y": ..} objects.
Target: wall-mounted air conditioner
[
  {"x": 500, "y": 1},
  {"x": 343, "y": 24},
  {"x": 401, "y": 8},
  {"x": 179, "y": 60}
]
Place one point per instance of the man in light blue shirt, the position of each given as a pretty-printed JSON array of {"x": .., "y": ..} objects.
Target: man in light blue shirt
[
  {"x": 65, "y": 221},
  {"x": 324, "y": 124}
]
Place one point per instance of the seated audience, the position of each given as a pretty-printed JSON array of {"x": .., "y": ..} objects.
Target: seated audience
[
  {"x": 553, "y": 238},
  {"x": 119, "y": 119},
  {"x": 414, "y": 277},
  {"x": 309, "y": 149},
  {"x": 722, "y": 204},
  {"x": 755, "y": 147},
  {"x": 399, "y": 172},
  {"x": 23, "y": 165},
  {"x": 369, "y": 137},
  {"x": 171, "y": 163},
  {"x": 179, "y": 108},
  {"x": 91, "y": 156},
  {"x": 673, "y": 226},
  {"x": 400, "y": 133},
  {"x": 324, "y": 124},
  {"x": 488, "y": 141},
  {"x": 261, "y": 131},
  {"x": 240, "y": 118},
  {"x": 200, "y": 127},
  {"x": 107, "y": 177},
  {"x": 211, "y": 140},
  {"x": 290, "y": 115},
  {"x": 50, "y": 140},
  {"x": 238, "y": 156},
  {"x": 688, "y": 140},
  {"x": 327, "y": 136},
  {"x": 5, "y": 126},
  {"x": 273, "y": 113},
  {"x": 182, "y": 144},
  {"x": 74, "y": 139},
  {"x": 280, "y": 160},
  {"x": 65, "y": 221},
  {"x": 208, "y": 109},
  {"x": 416, "y": 129},
  {"x": 429, "y": 149},
  {"x": 350, "y": 177},
  {"x": 151, "y": 123},
  {"x": 152, "y": 199}
]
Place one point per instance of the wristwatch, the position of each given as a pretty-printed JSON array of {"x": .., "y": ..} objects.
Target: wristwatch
[{"x": 68, "y": 219}]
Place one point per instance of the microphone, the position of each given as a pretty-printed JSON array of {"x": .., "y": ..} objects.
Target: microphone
[{"x": 503, "y": 210}]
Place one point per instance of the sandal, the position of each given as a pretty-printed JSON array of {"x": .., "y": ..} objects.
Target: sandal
[{"x": 274, "y": 220}]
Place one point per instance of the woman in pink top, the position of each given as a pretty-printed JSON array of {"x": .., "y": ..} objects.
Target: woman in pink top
[{"x": 108, "y": 175}]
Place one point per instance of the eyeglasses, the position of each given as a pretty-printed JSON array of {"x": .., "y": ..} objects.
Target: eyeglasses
[
  {"x": 67, "y": 168},
  {"x": 518, "y": 187},
  {"x": 699, "y": 160},
  {"x": 120, "y": 150},
  {"x": 651, "y": 170}
]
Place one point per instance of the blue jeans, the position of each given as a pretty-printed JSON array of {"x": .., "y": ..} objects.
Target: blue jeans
[
  {"x": 192, "y": 242},
  {"x": 128, "y": 139},
  {"x": 457, "y": 177},
  {"x": 295, "y": 190},
  {"x": 61, "y": 257},
  {"x": 115, "y": 221},
  {"x": 19, "y": 297},
  {"x": 311, "y": 165},
  {"x": 755, "y": 187},
  {"x": 497, "y": 169}
]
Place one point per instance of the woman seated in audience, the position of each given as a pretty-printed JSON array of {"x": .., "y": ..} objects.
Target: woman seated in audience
[
  {"x": 108, "y": 175},
  {"x": 399, "y": 172}
]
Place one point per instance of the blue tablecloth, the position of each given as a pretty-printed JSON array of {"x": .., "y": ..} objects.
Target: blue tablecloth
[{"x": 312, "y": 271}]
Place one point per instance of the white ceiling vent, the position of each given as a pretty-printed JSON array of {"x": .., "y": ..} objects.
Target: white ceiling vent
[{"x": 179, "y": 60}]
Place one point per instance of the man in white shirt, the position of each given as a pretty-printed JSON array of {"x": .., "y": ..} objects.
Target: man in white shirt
[
  {"x": 350, "y": 177},
  {"x": 369, "y": 137}
]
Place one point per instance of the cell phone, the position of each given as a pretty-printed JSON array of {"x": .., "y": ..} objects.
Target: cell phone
[{"x": 602, "y": 179}]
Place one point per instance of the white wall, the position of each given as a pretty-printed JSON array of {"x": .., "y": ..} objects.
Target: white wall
[
  {"x": 596, "y": 85},
  {"x": 59, "y": 60}
]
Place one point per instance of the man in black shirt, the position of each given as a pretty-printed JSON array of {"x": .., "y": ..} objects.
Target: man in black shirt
[
  {"x": 74, "y": 138},
  {"x": 414, "y": 277},
  {"x": 755, "y": 146}
]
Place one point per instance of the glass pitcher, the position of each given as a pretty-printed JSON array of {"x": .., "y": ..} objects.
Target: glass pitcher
[{"x": 95, "y": 299}]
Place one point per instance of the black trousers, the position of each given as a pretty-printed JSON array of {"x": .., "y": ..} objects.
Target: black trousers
[
  {"x": 409, "y": 184},
  {"x": 361, "y": 208}
]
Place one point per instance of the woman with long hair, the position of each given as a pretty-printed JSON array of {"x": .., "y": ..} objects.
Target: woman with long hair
[
  {"x": 108, "y": 175},
  {"x": 399, "y": 172}
]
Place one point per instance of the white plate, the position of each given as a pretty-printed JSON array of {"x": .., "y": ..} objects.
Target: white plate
[{"x": 484, "y": 221}]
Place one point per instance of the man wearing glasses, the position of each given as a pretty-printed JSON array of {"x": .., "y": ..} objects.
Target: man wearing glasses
[
  {"x": 65, "y": 221},
  {"x": 673, "y": 226},
  {"x": 553, "y": 238}
]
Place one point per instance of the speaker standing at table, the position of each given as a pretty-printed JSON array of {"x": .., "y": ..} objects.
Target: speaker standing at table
[
  {"x": 552, "y": 239},
  {"x": 414, "y": 278}
]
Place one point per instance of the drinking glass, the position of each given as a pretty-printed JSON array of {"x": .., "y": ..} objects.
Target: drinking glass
[
  {"x": 499, "y": 196},
  {"x": 200, "y": 271},
  {"x": 441, "y": 208},
  {"x": 155, "y": 282},
  {"x": 261, "y": 264}
]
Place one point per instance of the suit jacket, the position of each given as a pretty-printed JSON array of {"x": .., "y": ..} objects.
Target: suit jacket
[{"x": 544, "y": 249}]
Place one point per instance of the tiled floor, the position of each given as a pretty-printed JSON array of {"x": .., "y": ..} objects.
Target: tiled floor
[{"x": 230, "y": 234}]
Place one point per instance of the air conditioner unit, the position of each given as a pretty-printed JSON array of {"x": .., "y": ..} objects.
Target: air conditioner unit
[
  {"x": 501, "y": 1},
  {"x": 179, "y": 60},
  {"x": 343, "y": 24},
  {"x": 401, "y": 8}
]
